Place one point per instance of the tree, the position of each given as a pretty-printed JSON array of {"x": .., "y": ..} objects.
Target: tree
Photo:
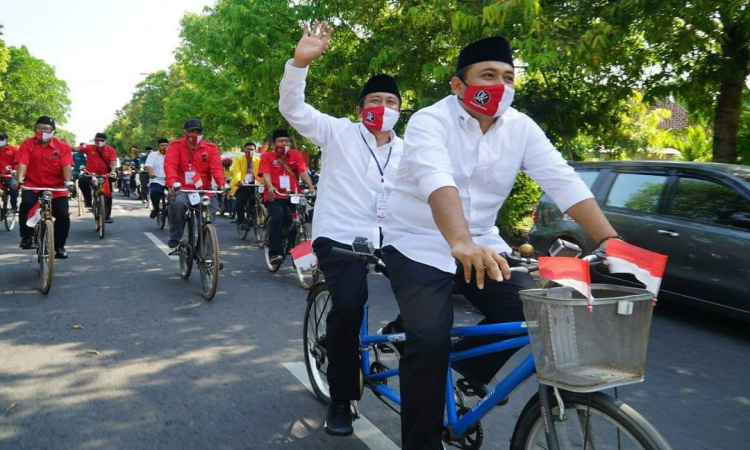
[
  {"x": 697, "y": 50},
  {"x": 31, "y": 90}
]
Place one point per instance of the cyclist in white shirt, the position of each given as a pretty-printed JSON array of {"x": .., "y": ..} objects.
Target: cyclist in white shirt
[
  {"x": 359, "y": 162},
  {"x": 461, "y": 158},
  {"x": 155, "y": 168}
]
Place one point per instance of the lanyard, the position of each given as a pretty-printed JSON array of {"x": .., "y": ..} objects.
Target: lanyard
[{"x": 381, "y": 170}]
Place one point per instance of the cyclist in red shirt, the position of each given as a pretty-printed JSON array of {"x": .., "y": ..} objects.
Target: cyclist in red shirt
[
  {"x": 281, "y": 169},
  {"x": 101, "y": 159},
  {"x": 8, "y": 158},
  {"x": 192, "y": 162},
  {"x": 44, "y": 161}
]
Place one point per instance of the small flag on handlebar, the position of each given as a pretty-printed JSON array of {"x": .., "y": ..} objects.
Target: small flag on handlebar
[
  {"x": 303, "y": 256},
  {"x": 572, "y": 272},
  {"x": 647, "y": 266},
  {"x": 35, "y": 214}
]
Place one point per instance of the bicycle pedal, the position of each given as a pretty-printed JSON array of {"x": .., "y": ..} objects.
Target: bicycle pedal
[
  {"x": 465, "y": 387},
  {"x": 385, "y": 348}
]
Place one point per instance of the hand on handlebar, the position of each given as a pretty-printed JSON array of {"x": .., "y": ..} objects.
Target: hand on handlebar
[
  {"x": 272, "y": 191},
  {"x": 15, "y": 186},
  {"x": 481, "y": 259}
]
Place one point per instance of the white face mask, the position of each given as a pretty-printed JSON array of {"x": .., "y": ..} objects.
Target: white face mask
[
  {"x": 101, "y": 143},
  {"x": 199, "y": 138},
  {"x": 47, "y": 136},
  {"x": 3, "y": 143}
]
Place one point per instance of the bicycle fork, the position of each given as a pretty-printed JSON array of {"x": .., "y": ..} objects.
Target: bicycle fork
[{"x": 548, "y": 419}]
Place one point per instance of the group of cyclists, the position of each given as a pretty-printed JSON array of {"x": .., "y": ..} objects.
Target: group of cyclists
[{"x": 427, "y": 202}]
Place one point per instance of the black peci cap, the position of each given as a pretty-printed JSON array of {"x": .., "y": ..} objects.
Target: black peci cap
[
  {"x": 162, "y": 141},
  {"x": 100, "y": 136},
  {"x": 380, "y": 83},
  {"x": 46, "y": 120},
  {"x": 488, "y": 49},
  {"x": 279, "y": 133}
]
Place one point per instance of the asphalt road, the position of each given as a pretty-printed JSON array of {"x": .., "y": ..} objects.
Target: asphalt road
[{"x": 150, "y": 364}]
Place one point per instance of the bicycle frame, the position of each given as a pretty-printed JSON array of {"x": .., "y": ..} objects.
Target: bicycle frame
[{"x": 508, "y": 384}]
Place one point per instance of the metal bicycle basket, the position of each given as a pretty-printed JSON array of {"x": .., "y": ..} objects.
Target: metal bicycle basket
[{"x": 583, "y": 351}]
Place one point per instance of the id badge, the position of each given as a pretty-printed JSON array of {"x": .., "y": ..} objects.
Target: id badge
[
  {"x": 249, "y": 178},
  {"x": 261, "y": 189},
  {"x": 189, "y": 177},
  {"x": 284, "y": 182},
  {"x": 382, "y": 202},
  {"x": 194, "y": 198},
  {"x": 295, "y": 199}
]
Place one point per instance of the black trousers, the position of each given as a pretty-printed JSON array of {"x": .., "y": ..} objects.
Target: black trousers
[
  {"x": 245, "y": 196},
  {"x": 280, "y": 212},
  {"x": 424, "y": 299},
  {"x": 156, "y": 192},
  {"x": 59, "y": 212},
  {"x": 85, "y": 184},
  {"x": 347, "y": 282}
]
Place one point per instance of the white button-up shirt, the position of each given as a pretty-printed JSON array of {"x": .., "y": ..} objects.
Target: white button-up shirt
[
  {"x": 444, "y": 146},
  {"x": 350, "y": 181},
  {"x": 155, "y": 160}
]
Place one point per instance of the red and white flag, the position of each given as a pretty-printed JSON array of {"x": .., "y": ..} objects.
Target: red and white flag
[
  {"x": 303, "y": 256},
  {"x": 197, "y": 180},
  {"x": 647, "y": 266},
  {"x": 35, "y": 215},
  {"x": 105, "y": 188},
  {"x": 572, "y": 272}
]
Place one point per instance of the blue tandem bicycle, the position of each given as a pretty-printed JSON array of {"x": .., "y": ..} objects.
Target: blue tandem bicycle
[{"x": 576, "y": 354}]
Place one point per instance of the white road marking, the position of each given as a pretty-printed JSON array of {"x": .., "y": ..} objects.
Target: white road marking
[
  {"x": 368, "y": 433},
  {"x": 162, "y": 246}
]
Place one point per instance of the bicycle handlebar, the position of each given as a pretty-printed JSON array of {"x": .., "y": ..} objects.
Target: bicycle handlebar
[
  {"x": 191, "y": 191},
  {"x": 24, "y": 188}
]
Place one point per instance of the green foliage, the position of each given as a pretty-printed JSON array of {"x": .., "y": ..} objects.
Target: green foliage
[
  {"x": 31, "y": 89},
  {"x": 519, "y": 204},
  {"x": 694, "y": 143}
]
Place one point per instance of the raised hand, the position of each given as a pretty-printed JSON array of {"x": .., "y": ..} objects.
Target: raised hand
[{"x": 313, "y": 43}]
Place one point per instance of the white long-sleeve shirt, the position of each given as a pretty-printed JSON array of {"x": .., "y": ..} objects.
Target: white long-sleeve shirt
[
  {"x": 444, "y": 146},
  {"x": 350, "y": 181}
]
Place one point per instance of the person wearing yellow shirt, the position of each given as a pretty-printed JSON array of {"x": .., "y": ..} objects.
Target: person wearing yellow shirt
[{"x": 244, "y": 180}]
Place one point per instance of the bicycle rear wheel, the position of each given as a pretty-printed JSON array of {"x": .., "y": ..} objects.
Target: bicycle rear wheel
[
  {"x": 259, "y": 224},
  {"x": 209, "y": 262},
  {"x": 9, "y": 216},
  {"x": 186, "y": 248},
  {"x": 314, "y": 333},
  {"x": 102, "y": 214},
  {"x": 45, "y": 246},
  {"x": 161, "y": 218},
  {"x": 592, "y": 421},
  {"x": 242, "y": 230},
  {"x": 79, "y": 200}
]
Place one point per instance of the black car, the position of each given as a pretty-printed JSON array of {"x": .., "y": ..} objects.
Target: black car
[{"x": 696, "y": 213}]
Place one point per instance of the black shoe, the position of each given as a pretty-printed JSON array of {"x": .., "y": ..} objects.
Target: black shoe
[
  {"x": 27, "y": 244},
  {"x": 173, "y": 243},
  {"x": 153, "y": 214},
  {"x": 276, "y": 260},
  {"x": 108, "y": 220},
  {"x": 339, "y": 419},
  {"x": 470, "y": 385},
  {"x": 391, "y": 347},
  {"x": 60, "y": 253},
  {"x": 15, "y": 209}
]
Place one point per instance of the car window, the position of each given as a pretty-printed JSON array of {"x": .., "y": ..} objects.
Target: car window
[
  {"x": 706, "y": 200},
  {"x": 636, "y": 191},
  {"x": 588, "y": 177}
]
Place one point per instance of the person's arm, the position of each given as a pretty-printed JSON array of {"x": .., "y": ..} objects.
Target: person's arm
[
  {"x": 68, "y": 173},
  {"x": 303, "y": 171},
  {"x": 544, "y": 164},
  {"x": 171, "y": 166},
  {"x": 238, "y": 177},
  {"x": 269, "y": 186},
  {"x": 20, "y": 175},
  {"x": 318, "y": 127},
  {"x": 217, "y": 171}
]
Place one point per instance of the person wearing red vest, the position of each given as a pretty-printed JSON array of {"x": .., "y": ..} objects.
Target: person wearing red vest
[
  {"x": 281, "y": 169},
  {"x": 8, "y": 162},
  {"x": 101, "y": 159},
  {"x": 45, "y": 161},
  {"x": 194, "y": 163}
]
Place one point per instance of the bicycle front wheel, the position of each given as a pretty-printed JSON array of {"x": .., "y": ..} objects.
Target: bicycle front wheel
[
  {"x": 45, "y": 246},
  {"x": 593, "y": 421},
  {"x": 102, "y": 214},
  {"x": 269, "y": 266},
  {"x": 314, "y": 336},
  {"x": 161, "y": 218},
  {"x": 79, "y": 200},
  {"x": 186, "y": 249},
  {"x": 9, "y": 216},
  {"x": 209, "y": 262}
]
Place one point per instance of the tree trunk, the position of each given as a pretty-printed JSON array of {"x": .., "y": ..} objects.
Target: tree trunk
[{"x": 729, "y": 106}]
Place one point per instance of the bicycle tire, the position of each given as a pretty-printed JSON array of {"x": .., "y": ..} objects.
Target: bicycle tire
[
  {"x": 9, "y": 216},
  {"x": 79, "y": 199},
  {"x": 209, "y": 263},
  {"x": 161, "y": 218},
  {"x": 242, "y": 232},
  {"x": 102, "y": 214},
  {"x": 186, "y": 249},
  {"x": 259, "y": 224},
  {"x": 45, "y": 258},
  {"x": 313, "y": 349},
  {"x": 530, "y": 429}
]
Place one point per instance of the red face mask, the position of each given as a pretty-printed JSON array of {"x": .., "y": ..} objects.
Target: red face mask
[
  {"x": 281, "y": 150},
  {"x": 39, "y": 135},
  {"x": 491, "y": 101}
]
